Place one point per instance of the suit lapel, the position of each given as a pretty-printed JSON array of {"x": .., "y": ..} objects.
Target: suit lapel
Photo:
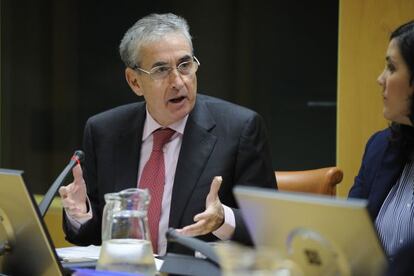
[
  {"x": 127, "y": 151},
  {"x": 197, "y": 145}
]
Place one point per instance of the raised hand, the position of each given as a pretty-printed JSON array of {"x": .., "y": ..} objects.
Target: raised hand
[
  {"x": 74, "y": 195},
  {"x": 212, "y": 218}
]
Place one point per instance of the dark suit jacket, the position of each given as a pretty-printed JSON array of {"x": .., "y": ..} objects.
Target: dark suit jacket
[
  {"x": 381, "y": 167},
  {"x": 220, "y": 138}
]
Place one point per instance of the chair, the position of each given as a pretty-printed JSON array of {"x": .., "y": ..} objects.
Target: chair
[{"x": 317, "y": 181}]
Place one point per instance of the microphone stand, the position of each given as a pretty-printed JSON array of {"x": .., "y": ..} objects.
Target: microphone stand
[{"x": 47, "y": 199}]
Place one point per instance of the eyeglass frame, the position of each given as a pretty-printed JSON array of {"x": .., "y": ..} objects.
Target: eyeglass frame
[{"x": 150, "y": 72}]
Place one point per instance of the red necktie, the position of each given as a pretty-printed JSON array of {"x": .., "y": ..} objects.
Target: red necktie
[{"x": 153, "y": 178}]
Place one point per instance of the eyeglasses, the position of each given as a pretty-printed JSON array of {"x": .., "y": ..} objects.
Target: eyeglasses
[{"x": 185, "y": 68}]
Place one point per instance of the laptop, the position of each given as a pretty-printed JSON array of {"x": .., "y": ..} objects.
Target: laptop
[
  {"x": 30, "y": 250},
  {"x": 320, "y": 234}
]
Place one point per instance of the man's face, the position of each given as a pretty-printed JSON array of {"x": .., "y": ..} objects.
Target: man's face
[{"x": 171, "y": 98}]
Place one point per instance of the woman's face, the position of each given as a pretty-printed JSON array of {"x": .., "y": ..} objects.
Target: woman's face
[{"x": 397, "y": 90}]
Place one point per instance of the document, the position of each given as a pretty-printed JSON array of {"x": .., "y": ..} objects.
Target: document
[{"x": 79, "y": 253}]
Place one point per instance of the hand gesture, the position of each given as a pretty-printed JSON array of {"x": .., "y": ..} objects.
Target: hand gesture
[
  {"x": 212, "y": 218},
  {"x": 74, "y": 195}
]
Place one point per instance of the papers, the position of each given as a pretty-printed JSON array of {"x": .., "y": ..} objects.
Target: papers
[
  {"x": 158, "y": 263},
  {"x": 76, "y": 254},
  {"x": 79, "y": 253}
]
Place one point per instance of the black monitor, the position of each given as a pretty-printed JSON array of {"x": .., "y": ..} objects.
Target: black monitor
[{"x": 25, "y": 243}]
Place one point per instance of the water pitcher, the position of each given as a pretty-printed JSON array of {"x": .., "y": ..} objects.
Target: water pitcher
[{"x": 126, "y": 244}]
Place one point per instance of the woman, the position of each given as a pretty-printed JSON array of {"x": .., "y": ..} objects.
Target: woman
[{"x": 386, "y": 176}]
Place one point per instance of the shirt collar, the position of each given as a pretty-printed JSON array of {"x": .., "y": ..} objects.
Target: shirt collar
[{"x": 151, "y": 125}]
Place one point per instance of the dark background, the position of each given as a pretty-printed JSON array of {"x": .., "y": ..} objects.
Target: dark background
[{"x": 60, "y": 65}]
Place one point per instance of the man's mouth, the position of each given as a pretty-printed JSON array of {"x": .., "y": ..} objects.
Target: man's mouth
[{"x": 177, "y": 100}]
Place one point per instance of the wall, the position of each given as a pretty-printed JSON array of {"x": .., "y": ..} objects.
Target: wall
[
  {"x": 60, "y": 65},
  {"x": 364, "y": 29}
]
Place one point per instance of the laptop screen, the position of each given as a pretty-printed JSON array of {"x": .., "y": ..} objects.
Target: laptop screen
[
  {"x": 31, "y": 250},
  {"x": 323, "y": 235}
]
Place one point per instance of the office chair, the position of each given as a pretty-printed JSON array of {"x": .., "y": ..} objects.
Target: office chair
[{"x": 317, "y": 181}]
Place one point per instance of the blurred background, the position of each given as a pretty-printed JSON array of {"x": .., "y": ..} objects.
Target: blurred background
[{"x": 60, "y": 65}]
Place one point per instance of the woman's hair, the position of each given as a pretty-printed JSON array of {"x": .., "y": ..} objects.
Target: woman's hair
[
  {"x": 149, "y": 29},
  {"x": 404, "y": 36},
  {"x": 404, "y": 134}
]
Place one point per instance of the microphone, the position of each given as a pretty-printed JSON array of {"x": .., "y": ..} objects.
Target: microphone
[
  {"x": 190, "y": 265},
  {"x": 194, "y": 244},
  {"x": 77, "y": 157}
]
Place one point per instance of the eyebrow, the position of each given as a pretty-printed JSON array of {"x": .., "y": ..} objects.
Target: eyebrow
[
  {"x": 163, "y": 63},
  {"x": 159, "y": 63},
  {"x": 390, "y": 59},
  {"x": 184, "y": 59}
]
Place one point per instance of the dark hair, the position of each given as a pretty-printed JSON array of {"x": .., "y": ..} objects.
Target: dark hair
[
  {"x": 404, "y": 36},
  {"x": 403, "y": 134}
]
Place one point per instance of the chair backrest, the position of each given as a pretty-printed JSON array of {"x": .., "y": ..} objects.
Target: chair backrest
[{"x": 317, "y": 181}]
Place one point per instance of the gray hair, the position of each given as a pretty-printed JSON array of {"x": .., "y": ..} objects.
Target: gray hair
[{"x": 149, "y": 29}]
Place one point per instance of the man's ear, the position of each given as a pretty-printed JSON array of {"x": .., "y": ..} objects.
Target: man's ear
[{"x": 133, "y": 82}]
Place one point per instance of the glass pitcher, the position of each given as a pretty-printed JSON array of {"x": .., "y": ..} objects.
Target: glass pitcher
[
  {"x": 112, "y": 204},
  {"x": 127, "y": 245}
]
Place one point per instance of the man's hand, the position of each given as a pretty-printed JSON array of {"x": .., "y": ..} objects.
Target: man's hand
[
  {"x": 74, "y": 195},
  {"x": 212, "y": 218}
]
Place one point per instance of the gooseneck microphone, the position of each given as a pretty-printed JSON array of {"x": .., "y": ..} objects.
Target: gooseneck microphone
[
  {"x": 190, "y": 265},
  {"x": 194, "y": 244},
  {"x": 47, "y": 199}
]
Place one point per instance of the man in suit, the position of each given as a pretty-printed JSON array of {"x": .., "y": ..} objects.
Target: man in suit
[{"x": 208, "y": 137}]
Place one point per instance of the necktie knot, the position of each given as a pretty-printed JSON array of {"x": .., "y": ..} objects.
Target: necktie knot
[{"x": 161, "y": 137}]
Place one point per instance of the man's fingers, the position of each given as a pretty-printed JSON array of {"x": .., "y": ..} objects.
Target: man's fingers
[
  {"x": 195, "y": 229},
  {"x": 200, "y": 216},
  {"x": 68, "y": 203},
  {"x": 77, "y": 174},
  {"x": 215, "y": 185},
  {"x": 63, "y": 191},
  {"x": 72, "y": 207},
  {"x": 214, "y": 189},
  {"x": 205, "y": 222}
]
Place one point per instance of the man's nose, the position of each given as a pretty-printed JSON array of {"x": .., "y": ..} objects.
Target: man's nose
[{"x": 176, "y": 78}]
